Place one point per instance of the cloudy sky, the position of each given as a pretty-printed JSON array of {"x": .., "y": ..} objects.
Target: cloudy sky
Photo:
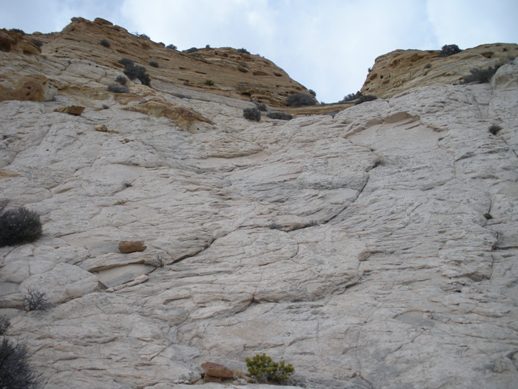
[{"x": 327, "y": 45}]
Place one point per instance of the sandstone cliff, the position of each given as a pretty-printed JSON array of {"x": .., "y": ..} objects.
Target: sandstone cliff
[{"x": 374, "y": 248}]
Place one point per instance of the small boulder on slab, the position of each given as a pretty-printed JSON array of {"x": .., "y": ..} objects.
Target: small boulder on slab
[{"x": 131, "y": 246}]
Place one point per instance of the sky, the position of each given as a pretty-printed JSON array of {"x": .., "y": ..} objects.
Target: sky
[{"x": 327, "y": 45}]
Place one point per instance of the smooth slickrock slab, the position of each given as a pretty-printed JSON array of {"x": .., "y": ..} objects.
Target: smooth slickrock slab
[{"x": 375, "y": 248}]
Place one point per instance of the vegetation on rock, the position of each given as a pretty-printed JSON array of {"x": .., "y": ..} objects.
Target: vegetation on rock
[
  {"x": 35, "y": 300},
  {"x": 252, "y": 114},
  {"x": 135, "y": 71},
  {"x": 19, "y": 225},
  {"x": 4, "y": 324},
  {"x": 15, "y": 372},
  {"x": 264, "y": 370},
  {"x": 480, "y": 75},
  {"x": 448, "y": 50},
  {"x": 279, "y": 115},
  {"x": 300, "y": 100}
]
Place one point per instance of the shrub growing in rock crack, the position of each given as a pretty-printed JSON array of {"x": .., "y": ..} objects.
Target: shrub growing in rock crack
[
  {"x": 448, "y": 50},
  {"x": 15, "y": 372},
  {"x": 35, "y": 300},
  {"x": 133, "y": 71},
  {"x": 19, "y": 225},
  {"x": 252, "y": 114},
  {"x": 480, "y": 75},
  {"x": 171, "y": 46},
  {"x": 260, "y": 106},
  {"x": 4, "y": 325},
  {"x": 495, "y": 129},
  {"x": 279, "y": 115},
  {"x": 364, "y": 98},
  {"x": 300, "y": 100},
  {"x": 153, "y": 63},
  {"x": 351, "y": 97},
  {"x": 121, "y": 79},
  {"x": 264, "y": 370},
  {"x": 243, "y": 51},
  {"x": 105, "y": 43},
  {"x": 191, "y": 50}
]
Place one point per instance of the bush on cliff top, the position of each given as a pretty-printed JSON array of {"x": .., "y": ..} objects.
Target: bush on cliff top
[{"x": 300, "y": 100}]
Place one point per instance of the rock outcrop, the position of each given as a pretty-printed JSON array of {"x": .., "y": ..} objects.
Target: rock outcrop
[
  {"x": 373, "y": 248},
  {"x": 402, "y": 70}
]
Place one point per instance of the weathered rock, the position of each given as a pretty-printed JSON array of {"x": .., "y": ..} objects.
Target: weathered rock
[
  {"x": 131, "y": 246},
  {"x": 74, "y": 110},
  {"x": 402, "y": 70},
  {"x": 181, "y": 116},
  {"x": 358, "y": 247},
  {"x": 29, "y": 88},
  {"x": 215, "y": 371}
]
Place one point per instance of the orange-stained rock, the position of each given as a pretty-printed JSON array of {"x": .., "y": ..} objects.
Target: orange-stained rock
[
  {"x": 183, "y": 117},
  {"x": 29, "y": 88},
  {"x": 75, "y": 110},
  {"x": 13, "y": 41},
  {"x": 228, "y": 68},
  {"x": 401, "y": 70},
  {"x": 216, "y": 371},
  {"x": 131, "y": 246}
]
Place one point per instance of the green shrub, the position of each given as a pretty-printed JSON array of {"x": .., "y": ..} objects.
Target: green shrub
[
  {"x": 153, "y": 63},
  {"x": 264, "y": 370},
  {"x": 171, "y": 46},
  {"x": 105, "y": 43},
  {"x": 191, "y": 50},
  {"x": 300, "y": 100},
  {"x": 252, "y": 114},
  {"x": 15, "y": 372},
  {"x": 480, "y": 75},
  {"x": 19, "y": 225},
  {"x": 209, "y": 82},
  {"x": 243, "y": 51}
]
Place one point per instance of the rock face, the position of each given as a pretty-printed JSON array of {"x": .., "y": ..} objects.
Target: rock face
[
  {"x": 224, "y": 71},
  {"x": 376, "y": 248},
  {"x": 402, "y": 70}
]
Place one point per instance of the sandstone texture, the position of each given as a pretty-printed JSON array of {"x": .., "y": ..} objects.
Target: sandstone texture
[
  {"x": 373, "y": 248},
  {"x": 402, "y": 70}
]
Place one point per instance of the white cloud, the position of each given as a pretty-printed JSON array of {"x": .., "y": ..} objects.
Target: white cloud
[{"x": 470, "y": 23}]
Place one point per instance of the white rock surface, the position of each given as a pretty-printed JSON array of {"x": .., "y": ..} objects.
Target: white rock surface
[{"x": 373, "y": 249}]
